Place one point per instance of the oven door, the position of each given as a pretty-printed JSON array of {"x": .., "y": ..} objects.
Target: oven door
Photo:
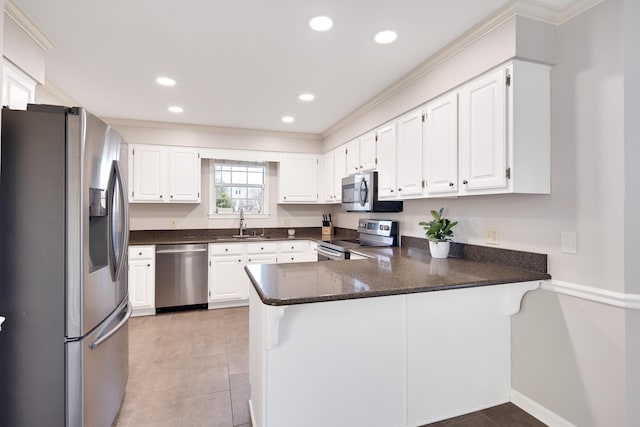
[{"x": 328, "y": 254}]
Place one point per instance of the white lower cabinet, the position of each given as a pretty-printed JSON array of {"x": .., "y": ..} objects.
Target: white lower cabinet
[
  {"x": 229, "y": 283},
  {"x": 142, "y": 273},
  {"x": 226, "y": 272}
]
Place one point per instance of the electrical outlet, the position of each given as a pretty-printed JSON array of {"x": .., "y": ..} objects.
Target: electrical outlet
[
  {"x": 173, "y": 223},
  {"x": 568, "y": 242},
  {"x": 492, "y": 236},
  {"x": 286, "y": 221}
]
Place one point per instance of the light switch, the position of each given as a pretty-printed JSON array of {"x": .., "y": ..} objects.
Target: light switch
[{"x": 568, "y": 242}]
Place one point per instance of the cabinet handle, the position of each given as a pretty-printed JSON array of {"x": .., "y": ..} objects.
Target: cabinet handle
[
  {"x": 451, "y": 184},
  {"x": 465, "y": 182}
]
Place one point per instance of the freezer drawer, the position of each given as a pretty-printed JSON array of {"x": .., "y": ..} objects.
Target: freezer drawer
[
  {"x": 181, "y": 275},
  {"x": 98, "y": 368}
]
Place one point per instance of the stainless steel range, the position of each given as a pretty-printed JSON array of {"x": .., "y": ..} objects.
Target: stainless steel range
[{"x": 372, "y": 232}]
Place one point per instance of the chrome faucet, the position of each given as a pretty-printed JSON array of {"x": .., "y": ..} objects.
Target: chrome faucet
[{"x": 242, "y": 224}]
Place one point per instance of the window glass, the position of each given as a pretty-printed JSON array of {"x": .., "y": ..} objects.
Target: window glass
[{"x": 238, "y": 185}]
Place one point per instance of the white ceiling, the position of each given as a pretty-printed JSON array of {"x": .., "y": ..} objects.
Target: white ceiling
[{"x": 240, "y": 63}]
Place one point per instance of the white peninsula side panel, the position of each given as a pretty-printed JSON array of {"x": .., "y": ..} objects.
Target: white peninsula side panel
[{"x": 401, "y": 360}]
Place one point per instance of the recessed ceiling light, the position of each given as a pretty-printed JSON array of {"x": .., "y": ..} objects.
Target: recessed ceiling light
[
  {"x": 165, "y": 81},
  {"x": 176, "y": 109},
  {"x": 385, "y": 37},
  {"x": 321, "y": 23},
  {"x": 288, "y": 119},
  {"x": 306, "y": 97}
]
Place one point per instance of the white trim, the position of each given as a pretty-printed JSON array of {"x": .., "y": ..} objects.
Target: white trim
[
  {"x": 54, "y": 90},
  {"x": 531, "y": 9},
  {"x": 590, "y": 293},
  {"x": 137, "y": 312},
  {"x": 538, "y": 411},
  {"x": 212, "y": 305},
  {"x": 31, "y": 29}
]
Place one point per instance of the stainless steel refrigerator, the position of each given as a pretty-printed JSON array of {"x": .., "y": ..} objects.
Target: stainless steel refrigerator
[{"x": 63, "y": 269}]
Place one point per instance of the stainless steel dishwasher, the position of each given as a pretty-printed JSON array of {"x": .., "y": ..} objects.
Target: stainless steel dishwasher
[{"x": 181, "y": 276}]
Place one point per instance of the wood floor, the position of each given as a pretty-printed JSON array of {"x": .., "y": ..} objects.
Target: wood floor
[{"x": 191, "y": 369}]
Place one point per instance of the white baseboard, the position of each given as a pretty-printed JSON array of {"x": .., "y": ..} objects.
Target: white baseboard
[
  {"x": 228, "y": 304},
  {"x": 143, "y": 312},
  {"x": 538, "y": 411}
]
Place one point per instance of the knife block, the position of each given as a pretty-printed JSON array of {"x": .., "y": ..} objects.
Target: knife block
[{"x": 327, "y": 230}]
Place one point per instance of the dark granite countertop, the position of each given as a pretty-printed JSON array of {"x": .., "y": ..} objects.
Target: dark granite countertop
[
  {"x": 178, "y": 237},
  {"x": 387, "y": 271}
]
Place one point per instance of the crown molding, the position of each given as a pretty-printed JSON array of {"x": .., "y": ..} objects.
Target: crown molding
[
  {"x": 532, "y": 9},
  {"x": 27, "y": 25},
  {"x": 213, "y": 129}
]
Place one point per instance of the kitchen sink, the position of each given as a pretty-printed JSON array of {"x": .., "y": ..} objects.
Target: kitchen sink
[{"x": 246, "y": 237}]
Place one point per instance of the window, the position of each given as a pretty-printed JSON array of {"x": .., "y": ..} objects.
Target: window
[{"x": 238, "y": 185}]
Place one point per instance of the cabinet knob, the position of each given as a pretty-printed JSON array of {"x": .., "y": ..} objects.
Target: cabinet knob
[
  {"x": 391, "y": 191},
  {"x": 161, "y": 196},
  {"x": 285, "y": 197},
  {"x": 239, "y": 260},
  {"x": 291, "y": 258},
  {"x": 148, "y": 265},
  {"x": 399, "y": 189},
  {"x": 249, "y": 259},
  {"x": 140, "y": 253},
  {"x": 451, "y": 184},
  {"x": 171, "y": 196},
  {"x": 292, "y": 247},
  {"x": 465, "y": 182},
  {"x": 262, "y": 249},
  {"x": 226, "y": 249}
]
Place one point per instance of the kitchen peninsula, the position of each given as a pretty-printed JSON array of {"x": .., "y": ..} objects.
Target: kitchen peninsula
[{"x": 397, "y": 339}]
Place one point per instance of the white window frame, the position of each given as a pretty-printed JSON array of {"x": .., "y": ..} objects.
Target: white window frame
[{"x": 212, "y": 190}]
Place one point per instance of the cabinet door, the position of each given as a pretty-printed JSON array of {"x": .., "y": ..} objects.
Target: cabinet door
[
  {"x": 368, "y": 159},
  {"x": 409, "y": 171},
  {"x": 353, "y": 157},
  {"x": 18, "y": 89},
  {"x": 387, "y": 188},
  {"x": 227, "y": 278},
  {"x": 441, "y": 145},
  {"x": 328, "y": 181},
  {"x": 184, "y": 173},
  {"x": 339, "y": 171},
  {"x": 297, "y": 179},
  {"x": 483, "y": 133},
  {"x": 147, "y": 163},
  {"x": 142, "y": 284}
]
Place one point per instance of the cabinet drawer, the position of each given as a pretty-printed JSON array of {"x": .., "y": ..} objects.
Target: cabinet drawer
[
  {"x": 141, "y": 252},
  {"x": 294, "y": 246},
  {"x": 262, "y": 248},
  {"x": 225, "y": 248}
]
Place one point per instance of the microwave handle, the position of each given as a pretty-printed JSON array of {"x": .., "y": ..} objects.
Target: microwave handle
[{"x": 363, "y": 183}]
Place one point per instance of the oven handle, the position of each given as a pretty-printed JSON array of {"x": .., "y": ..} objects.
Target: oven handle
[{"x": 332, "y": 255}]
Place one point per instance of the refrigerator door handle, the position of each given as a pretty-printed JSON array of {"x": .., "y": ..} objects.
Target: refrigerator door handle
[
  {"x": 118, "y": 265},
  {"x": 102, "y": 337}
]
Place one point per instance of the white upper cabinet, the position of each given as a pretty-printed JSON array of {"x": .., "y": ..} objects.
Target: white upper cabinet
[
  {"x": 353, "y": 156},
  {"x": 334, "y": 169},
  {"x": 368, "y": 159},
  {"x": 387, "y": 187},
  {"x": 18, "y": 89},
  {"x": 361, "y": 154},
  {"x": 409, "y": 152},
  {"x": 184, "y": 173},
  {"x": 339, "y": 171},
  {"x": 164, "y": 174},
  {"x": 298, "y": 178},
  {"x": 505, "y": 131},
  {"x": 441, "y": 145},
  {"x": 483, "y": 132}
]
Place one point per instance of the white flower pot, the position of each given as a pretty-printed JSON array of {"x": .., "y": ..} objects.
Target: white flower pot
[{"x": 439, "y": 249}]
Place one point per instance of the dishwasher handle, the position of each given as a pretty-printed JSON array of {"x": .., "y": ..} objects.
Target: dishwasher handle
[{"x": 179, "y": 251}]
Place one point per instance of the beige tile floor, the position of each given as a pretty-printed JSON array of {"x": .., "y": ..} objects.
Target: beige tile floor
[{"x": 188, "y": 369}]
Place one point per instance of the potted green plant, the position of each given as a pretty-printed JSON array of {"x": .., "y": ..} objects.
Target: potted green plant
[{"x": 439, "y": 232}]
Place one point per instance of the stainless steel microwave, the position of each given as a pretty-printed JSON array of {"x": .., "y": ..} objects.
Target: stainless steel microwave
[{"x": 360, "y": 194}]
